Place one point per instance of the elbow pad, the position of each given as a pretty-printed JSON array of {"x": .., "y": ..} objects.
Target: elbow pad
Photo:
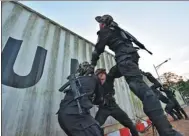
[{"x": 95, "y": 57}]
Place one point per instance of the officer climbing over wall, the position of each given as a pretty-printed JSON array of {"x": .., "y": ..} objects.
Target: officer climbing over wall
[
  {"x": 109, "y": 107},
  {"x": 126, "y": 57},
  {"x": 74, "y": 115},
  {"x": 170, "y": 95},
  {"x": 169, "y": 104}
]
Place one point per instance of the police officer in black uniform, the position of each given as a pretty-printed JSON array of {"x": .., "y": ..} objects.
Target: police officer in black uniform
[
  {"x": 126, "y": 57},
  {"x": 169, "y": 104},
  {"x": 170, "y": 95},
  {"x": 109, "y": 107},
  {"x": 74, "y": 115}
]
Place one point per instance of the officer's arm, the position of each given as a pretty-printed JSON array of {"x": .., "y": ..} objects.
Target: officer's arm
[
  {"x": 113, "y": 73},
  {"x": 152, "y": 79},
  {"x": 103, "y": 37},
  {"x": 157, "y": 84},
  {"x": 148, "y": 75}
]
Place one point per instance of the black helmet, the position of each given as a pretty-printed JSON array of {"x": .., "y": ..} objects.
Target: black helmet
[
  {"x": 84, "y": 68},
  {"x": 106, "y": 19}
]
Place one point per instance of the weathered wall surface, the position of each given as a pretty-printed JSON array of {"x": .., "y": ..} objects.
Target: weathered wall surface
[{"x": 36, "y": 59}]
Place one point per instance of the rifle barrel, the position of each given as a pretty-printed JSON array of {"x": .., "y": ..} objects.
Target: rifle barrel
[{"x": 64, "y": 86}]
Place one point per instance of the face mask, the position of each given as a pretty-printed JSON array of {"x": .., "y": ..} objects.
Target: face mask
[{"x": 101, "y": 25}]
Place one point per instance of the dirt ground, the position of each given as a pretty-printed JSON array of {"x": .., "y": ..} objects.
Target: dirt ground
[{"x": 182, "y": 125}]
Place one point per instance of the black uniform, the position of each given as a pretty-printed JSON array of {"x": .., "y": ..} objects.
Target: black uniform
[
  {"x": 169, "y": 104},
  {"x": 177, "y": 107},
  {"x": 126, "y": 57},
  {"x": 110, "y": 108},
  {"x": 73, "y": 123},
  {"x": 152, "y": 79}
]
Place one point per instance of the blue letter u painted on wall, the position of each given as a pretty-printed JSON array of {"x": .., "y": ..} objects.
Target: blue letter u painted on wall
[{"x": 9, "y": 55}]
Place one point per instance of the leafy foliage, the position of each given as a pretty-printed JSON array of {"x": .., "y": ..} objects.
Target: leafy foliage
[
  {"x": 171, "y": 78},
  {"x": 176, "y": 82},
  {"x": 183, "y": 87}
]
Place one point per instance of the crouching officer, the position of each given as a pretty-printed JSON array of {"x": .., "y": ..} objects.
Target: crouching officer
[
  {"x": 109, "y": 107},
  {"x": 73, "y": 115},
  {"x": 126, "y": 57},
  {"x": 169, "y": 104},
  {"x": 170, "y": 95}
]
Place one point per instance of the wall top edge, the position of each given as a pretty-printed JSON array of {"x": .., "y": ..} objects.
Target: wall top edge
[{"x": 55, "y": 23}]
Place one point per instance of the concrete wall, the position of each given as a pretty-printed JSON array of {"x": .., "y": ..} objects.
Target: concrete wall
[{"x": 36, "y": 59}]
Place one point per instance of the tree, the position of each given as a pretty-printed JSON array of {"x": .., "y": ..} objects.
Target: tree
[
  {"x": 176, "y": 82},
  {"x": 183, "y": 88},
  {"x": 171, "y": 79}
]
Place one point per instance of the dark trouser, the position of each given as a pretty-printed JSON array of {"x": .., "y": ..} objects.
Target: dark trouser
[
  {"x": 175, "y": 113},
  {"x": 169, "y": 109},
  {"x": 169, "y": 104},
  {"x": 172, "y": 113},
  {"x": 178, "y": 108},
  {"x": 79, "y": 125},
  {"x": 151, "y": 105},
  {"x": 183, "y": 112},
  {"x": 117, "y": 113}
]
